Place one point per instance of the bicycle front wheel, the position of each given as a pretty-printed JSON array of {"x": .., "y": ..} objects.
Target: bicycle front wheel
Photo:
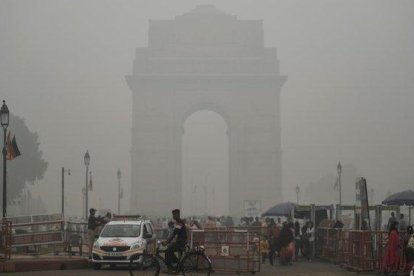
[
  {"x": 149, "y": 266},
  {"x": 196, "y": 264}
]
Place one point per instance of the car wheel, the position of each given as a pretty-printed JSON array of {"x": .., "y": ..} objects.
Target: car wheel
[{"x": 96, "y": 266}]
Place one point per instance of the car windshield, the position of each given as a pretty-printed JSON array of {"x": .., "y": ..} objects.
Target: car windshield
[{"x": 121, "y": 230}]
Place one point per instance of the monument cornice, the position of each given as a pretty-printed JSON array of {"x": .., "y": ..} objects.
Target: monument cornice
[{"x": 207, "y": 76}]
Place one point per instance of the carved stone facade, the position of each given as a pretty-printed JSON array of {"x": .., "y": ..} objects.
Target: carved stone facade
[{"x": 205, "y": 60}]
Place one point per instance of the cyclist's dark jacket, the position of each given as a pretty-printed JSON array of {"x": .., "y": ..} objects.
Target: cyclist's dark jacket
[{"x": 180, "y": 231}]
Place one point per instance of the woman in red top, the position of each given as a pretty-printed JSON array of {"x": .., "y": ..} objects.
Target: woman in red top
[{"x": 391, "y": 260}]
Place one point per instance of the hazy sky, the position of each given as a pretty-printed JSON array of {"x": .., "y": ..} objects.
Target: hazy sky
[{"x": 349, "y": 94}]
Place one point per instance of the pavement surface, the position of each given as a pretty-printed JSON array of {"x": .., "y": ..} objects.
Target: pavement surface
[{"x": 299, "y": 268}]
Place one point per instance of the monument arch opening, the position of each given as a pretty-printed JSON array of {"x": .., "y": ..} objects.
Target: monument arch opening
[{"x": 205, "y": 188}]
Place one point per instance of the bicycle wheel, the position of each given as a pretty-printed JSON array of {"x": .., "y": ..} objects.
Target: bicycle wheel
[
  {"x": 196, "y": 264},
  {"x": 148, "y": 267}
]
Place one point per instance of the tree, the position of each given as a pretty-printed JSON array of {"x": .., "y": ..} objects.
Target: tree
[{"x": 29, "y": 166}]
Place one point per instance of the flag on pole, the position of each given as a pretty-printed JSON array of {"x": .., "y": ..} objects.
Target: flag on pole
[
  {"x": 15, "y": 147},
  {"x": 12, "y": 148},
  {"x": 8, "y": 147}
]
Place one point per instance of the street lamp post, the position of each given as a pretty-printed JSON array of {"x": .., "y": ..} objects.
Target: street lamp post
[
  {"x": 297, "y": 194},
  {"x": 83, "y": 200},
  {"x": 4, "y": 114},
  {"x": 63, "y": 189},
  {"x": 339, "y": 170},
  {"x": 118, "y": 174},
  {"x": 87, "y": 160}
]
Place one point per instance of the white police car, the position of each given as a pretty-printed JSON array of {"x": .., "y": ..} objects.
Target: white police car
[{"x": 123, "y": 240}]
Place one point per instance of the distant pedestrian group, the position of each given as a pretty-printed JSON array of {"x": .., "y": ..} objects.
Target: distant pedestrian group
[{"x": 286, "y": 241}]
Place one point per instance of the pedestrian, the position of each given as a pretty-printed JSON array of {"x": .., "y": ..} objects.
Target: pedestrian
[
  {"x": 264, "y": 249},
  {"x": 391, "y": 259},
  {"x": 402, "y": 223},
  {"x": 310, "y": 237},
  {"x": 391, "y": 220},
  {"x": 274, "y": 232},
  {"x": 93, "y": 224},
  {"x": 409, "y": 246},
  {"x": 286, "y": 246},
  {"x": 298, "y": 244},
  {"x": 256, "y": 222}
]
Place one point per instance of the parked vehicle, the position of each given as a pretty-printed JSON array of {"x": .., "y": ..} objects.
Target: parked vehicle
[{"x": 121, "y": 241}]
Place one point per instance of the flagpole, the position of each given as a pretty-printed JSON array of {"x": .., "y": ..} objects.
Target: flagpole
[
  {"x": 118, "y": 174},
  {"x": 4, "y": 116},
  {"x": 63, "y": 193},
  {"x": 63, "y": 189},
  {"x": 339, "y": 170},
  {"x": 86, "y": 159},
  {"x": 4, "y": 175}
]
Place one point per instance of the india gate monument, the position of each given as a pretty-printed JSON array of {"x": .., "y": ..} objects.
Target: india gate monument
[{"x": 205, "y": 59}]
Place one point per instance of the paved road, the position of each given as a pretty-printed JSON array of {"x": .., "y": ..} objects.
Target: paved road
[{"x": 300, "y": 268}]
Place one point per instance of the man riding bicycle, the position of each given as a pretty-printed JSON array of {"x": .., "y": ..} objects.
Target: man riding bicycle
[{"x": 180, "y": 233}]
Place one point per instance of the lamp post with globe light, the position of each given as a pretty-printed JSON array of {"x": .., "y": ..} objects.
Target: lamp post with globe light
[
  {"x": 5, "y": 116},
  {"x": 87, "y": 160}
]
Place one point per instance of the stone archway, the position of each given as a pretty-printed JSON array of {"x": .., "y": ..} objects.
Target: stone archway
[
  {"x": 205, "y": 59},
  {"x": 205, "y": 177}
]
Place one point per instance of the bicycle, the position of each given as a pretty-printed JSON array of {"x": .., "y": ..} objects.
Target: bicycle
[{"x": 190, "y": 262}]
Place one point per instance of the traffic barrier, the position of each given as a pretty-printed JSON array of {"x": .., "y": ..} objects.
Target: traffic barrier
[
  {"x": 229, "y": 250},
  {"x": 34, "y": 231},
  {"x": 331, "y": 244},
  {"x": 352, "y": 249},
  {"x": 358, "y": 250},
  {"x": 79, "y": 228},
  {"x": 5, "y": 240},
  {"x": 76, "y": 231}
]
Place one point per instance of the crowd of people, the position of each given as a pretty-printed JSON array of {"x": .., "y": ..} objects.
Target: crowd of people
[
  {"x": 400, "y": 245},
  {"x": 287, "y": 240}
]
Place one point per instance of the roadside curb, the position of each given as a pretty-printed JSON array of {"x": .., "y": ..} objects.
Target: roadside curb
[{"x": 23, "y": 265}]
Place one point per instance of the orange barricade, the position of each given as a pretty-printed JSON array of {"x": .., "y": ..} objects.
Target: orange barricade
[
  {"x": 5, "y": 240},
  {"x": 330, "y": 244},
  {"x": 229, "y": 250},
  {"x": 358, "y": 250}
]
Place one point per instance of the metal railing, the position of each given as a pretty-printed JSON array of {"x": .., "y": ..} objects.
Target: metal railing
[
  {"x": 358, "y": 250},
  {"x": 5, "y": 240},
  {"x": 235, "y": 250}
]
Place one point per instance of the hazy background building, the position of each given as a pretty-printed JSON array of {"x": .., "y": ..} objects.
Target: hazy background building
[
  {"x": 205, "y": 60},
  {"x": 349, "y": 95}
]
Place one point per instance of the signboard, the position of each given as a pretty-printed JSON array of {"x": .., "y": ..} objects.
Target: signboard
[
  {"x": 224, "y": 250},
  {"x": 361, "y": 205},
  {"x": 252, "y": 208}
]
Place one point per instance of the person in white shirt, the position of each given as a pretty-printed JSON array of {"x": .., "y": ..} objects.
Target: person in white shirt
[
  {"x": 402, "y": 224},
  {"x": 310, "y": 233}
]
